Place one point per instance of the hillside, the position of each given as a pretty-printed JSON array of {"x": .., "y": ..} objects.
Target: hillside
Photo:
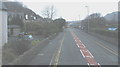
[{"x": 112, "y": 17}]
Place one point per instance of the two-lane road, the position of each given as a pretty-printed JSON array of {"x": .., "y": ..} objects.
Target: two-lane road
[{"x": 74, "y": 47}]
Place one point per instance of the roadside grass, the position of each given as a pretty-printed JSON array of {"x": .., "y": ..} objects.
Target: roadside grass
[
  {"x": 8, "y": 55},
  {"x": 35, "y": 42}
]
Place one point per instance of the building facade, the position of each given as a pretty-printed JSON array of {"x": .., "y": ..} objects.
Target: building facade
[{"x": 3, "y": 24}]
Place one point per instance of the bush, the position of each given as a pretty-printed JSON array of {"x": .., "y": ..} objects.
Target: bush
[
  {"x": 8, "y": 55},
  {"x": 105, "y": 32},
  {"x": 45, "y": 29},
  {"x": 19, "y": 46},
  {"x": 12, "y": 50}
]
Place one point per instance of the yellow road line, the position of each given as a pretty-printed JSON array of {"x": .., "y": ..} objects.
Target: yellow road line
[
  {"x": 52, "y": 58},
  {"x": 58, "y": 53}
]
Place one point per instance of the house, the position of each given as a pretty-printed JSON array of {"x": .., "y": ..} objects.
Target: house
[
  {"x": 3, "y": 24},
  {"x": 13, "y": 30},
  {"x": 17, "y": 8},
  {"x": 17, "y": 16}
]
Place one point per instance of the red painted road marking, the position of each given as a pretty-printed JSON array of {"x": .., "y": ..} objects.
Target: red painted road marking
[
  {"x": 85, "y": 52},
  {"x": 91, "y": 61}
]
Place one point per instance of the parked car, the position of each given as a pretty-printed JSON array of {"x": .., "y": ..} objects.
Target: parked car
[
  {"x": 25, "y": 36},
  {"x": 28, "y": 37}
]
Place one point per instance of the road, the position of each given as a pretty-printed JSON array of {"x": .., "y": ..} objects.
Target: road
[{"x": 74, "y": 47}]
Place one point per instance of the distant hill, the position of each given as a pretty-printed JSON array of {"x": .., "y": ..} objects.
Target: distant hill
[
  {"x": 73, "y": 21},
  {"x": 111, "y": 17}
]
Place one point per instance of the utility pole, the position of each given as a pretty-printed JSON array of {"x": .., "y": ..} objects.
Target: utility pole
[
  {"x": 114, "y": 20},
  {"x": 79, "y": 22},
  {"x": 114, "y": 25},
  {"x": 87, "y": 18},
  {"x": 79, "y": 17}
]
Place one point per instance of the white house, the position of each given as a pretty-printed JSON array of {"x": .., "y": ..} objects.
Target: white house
[{"x": 3, "y": 24}]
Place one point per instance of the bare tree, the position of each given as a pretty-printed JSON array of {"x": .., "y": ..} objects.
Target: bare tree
[
  {"x": 46, "y": 12},
  {"x": 49, "y": 12},
  {"x": 52, "y": 13}
]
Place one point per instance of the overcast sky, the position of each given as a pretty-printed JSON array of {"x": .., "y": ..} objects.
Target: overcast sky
[{"x": 73, "y": 9}]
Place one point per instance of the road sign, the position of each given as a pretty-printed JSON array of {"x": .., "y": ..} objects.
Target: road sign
[{"x": 112, "y": 29}]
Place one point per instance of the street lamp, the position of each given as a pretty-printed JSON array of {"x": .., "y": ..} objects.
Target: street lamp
[
  {"x": 87, "y": 10},
  {"x": 87, "y": 18}
]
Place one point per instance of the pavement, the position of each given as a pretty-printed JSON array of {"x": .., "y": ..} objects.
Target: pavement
[{"x": 74, "y": 47}]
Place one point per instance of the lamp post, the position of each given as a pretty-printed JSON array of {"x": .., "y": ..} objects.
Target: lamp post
[
  {"x": 87, "y": 18},
  {"x": 114, "y": 19}
]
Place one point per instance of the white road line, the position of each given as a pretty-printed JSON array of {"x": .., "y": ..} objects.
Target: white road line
[
  {"x": 98, "y": 63},
  {"x": 90, "y": 54},
  {"x": 80, "y": 41},
  {"x": 92, "y": 64},
  {"x": 85, "y": 50},
  {"x": 78, "y": 45},
  {"x": 88, "y": 64},
  {"x": 107, "y": 49},
  {"x": 82, "y": 54},
  {"x": 83, "y": 45},
  {"x": 75, "y": 40},
  {"x": 88, "y": 57}
]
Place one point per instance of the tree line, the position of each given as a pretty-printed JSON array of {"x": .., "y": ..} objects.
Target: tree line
[
  {"x": 98, "y": 24},
  {"x": 46, "y": 28}
]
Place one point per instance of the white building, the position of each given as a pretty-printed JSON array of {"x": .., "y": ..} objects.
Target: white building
[{"x": 3, "y": 24}]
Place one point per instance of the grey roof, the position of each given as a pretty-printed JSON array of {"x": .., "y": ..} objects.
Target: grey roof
[
  {"x": 2, "y": 6},
  {"x": 18, "y": 7}
]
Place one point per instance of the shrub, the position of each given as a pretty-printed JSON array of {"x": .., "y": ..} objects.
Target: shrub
[
  {"x": 12, "y": 50},
  {"x": 105, "y": 32},
  {"x": 8, "y": 55}
]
